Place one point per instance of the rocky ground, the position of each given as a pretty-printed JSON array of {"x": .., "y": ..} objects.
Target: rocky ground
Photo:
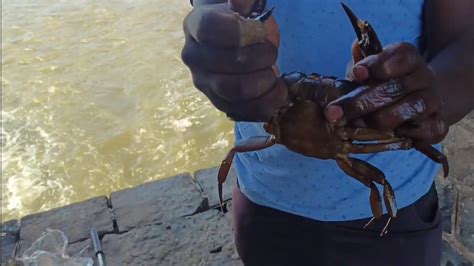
[
  {"x": 177, "y": 221},
  {"x": 168, "y": 222},
  {"x": 457, "y": 195}
]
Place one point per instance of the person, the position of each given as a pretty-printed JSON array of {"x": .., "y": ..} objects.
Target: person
[{"x": 294, "y": 210}]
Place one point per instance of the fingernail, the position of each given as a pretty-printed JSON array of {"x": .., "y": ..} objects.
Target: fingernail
[
  {"x": 334, "y": 113},
  {"x": 361, "y": 73}
]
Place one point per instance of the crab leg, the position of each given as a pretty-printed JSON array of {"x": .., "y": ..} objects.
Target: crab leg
[
  {"x": 362, "y": 170},
  {"x": 346, "y": 164},
  {"x": 362, "y": 134},
  {"x": 252, "y": 144},
  {"x": 388, "y": 194},
  {"x": 387, "y": 142},
  {"x": 404, "y": 144},
  {"x": 379, "y": 177},
  {"x": 436, "y": 156}
]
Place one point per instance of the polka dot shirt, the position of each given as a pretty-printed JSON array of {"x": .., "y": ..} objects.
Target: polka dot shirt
[{"x": 316, "y": 36}]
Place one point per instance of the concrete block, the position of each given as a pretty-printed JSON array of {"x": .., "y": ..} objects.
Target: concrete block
[
  {"x": 461, "y": 166},
  {"x": 157, "y": 202},
  {"x": 207, "y": 180},
  {"x": 466, "y": 221},
  {"x": 81, "y": 249},
  {"x": 9, "y": 237},
  {"x": 74, "y": 220},
  {"x": 202, "y": 239},
  {"x": 459, "y": 147},
  {"x": 450, "y": 257},
  {"x": 447, "y": 197},
  {"x": 11, "y": 227},
  {"x": 7, "y": 250}
]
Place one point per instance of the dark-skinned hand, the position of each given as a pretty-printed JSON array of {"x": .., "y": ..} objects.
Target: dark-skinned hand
[
  {"x": 401, "y": 95},
  {"x": 232, "y": 59}
]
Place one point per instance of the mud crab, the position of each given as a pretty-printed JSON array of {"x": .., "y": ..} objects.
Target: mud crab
[{"x": 300, "y": 125}]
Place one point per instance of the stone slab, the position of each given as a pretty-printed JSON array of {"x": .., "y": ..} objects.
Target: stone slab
[
  {"x": 11, "y": 227},
  {"x": 207, "y": 180},
  {"x": 81, "y": 249},
  {"x": 157, "y": 202},
  {"x": 202, "y": 239},
  {"x": 447, "y": 197},
  {"x": 461, "y": 167},
  {"x": 8, "y": 238},
  {"x": 459, "y": 147},
  {"x": 8, "y": 248},
  {"x": 450, "y": 257},
  {"x": 460, "y": 134},
  {"x": 74, "y": 220},
  {"x": 466, "y": 220},
  {"x": 229, "y": 215}
]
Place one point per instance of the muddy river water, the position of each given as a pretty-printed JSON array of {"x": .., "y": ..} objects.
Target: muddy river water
[{"x": 95, "y": 99}]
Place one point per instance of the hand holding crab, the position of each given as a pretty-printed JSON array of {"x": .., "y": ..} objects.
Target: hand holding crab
[{"x": 406, "y": 101}]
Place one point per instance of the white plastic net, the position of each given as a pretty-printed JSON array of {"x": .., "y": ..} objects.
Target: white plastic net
[{"x": 50, "y": 249}]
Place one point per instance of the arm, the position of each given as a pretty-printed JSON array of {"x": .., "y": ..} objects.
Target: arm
[{"x": 429, "y": 96}]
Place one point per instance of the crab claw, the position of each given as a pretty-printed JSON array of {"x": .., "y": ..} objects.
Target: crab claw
[
  {"x": 368, "y": 41},
  {"x": 258, "y": 11},
  {"x": 265, "y": 16},
  {"x": 259, "y": 6}
]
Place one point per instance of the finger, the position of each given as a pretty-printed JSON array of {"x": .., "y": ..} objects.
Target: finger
[
  {"x": 235, "y": 88},
  {"x": 219, "y": 26},
  {"x": 431, "y": 131},
  {"x": 228, "y": 60},
  {"x": 256, "y": 110},
  {"x": 363, "y": 100},
  {"x": 367, "y": 99},
  {"x": 412, "y": 108},
  {"x": 395, "y": 61}
]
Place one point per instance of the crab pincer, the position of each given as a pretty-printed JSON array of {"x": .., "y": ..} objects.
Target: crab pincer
[{"x": 368, "y": 40}]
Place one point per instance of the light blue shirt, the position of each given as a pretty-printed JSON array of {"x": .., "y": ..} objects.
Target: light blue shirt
[{"x": 316, "y": 36}]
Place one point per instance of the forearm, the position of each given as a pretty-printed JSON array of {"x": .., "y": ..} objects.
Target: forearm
[{"x": 454, "y": 70}]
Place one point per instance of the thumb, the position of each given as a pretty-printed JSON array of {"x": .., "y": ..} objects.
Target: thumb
[{"x": 246, "y": 7}]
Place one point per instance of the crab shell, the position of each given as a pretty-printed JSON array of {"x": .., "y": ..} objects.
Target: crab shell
[{"x": 300, "y": 124}]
